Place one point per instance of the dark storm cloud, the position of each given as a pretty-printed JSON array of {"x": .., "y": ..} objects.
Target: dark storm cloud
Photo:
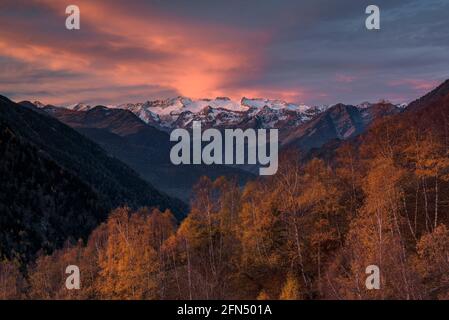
[{"x": 337, "y": 56}]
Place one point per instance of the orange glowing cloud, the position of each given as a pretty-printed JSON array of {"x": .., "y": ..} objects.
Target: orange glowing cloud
[
  {"x": 129, "y": 51},
  {"x": 152, "y": 50}
]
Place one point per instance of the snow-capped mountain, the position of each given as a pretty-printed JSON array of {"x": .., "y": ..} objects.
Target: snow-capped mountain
[
  {"x": 80, "y": 107},
  {"x": 273, "y": 104},
  {"x": 300, "y": 126},
  {"x": 367, "y": 105},
  {"x": 180, "y": 112},
  {"x": 339, "y": 122},
  {"x": 39, "y": 104},
  {"x": 222, "y": 112}
]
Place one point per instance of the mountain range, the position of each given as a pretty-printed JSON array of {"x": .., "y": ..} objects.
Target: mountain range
[
  {"x": 143, "y": 147},
  {"x": 221, "y": 112},
  {"x": 137, "y": 134},
  {"x": 64, "y": 168}
]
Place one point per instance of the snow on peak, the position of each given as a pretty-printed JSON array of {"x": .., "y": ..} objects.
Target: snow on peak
[
  {"x": 272, "y": 104},
  {"x": 180, "y": 111},
  {"x": 39, "y": 104},
  {"x": 173, "y": 111},
  {"x": 364, "y": 105},
  {"x": 79, "y": 107}
]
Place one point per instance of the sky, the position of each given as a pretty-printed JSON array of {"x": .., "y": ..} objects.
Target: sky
[{"x": 313, "y": 52}]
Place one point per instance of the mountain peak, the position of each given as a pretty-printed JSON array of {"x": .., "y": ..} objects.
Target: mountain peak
[
  {"x": 97, "y": 108},
  {"x": 438, "y": 93},
  {"x": 3, "y": 98},
  {"x": 339, "y": 106},
  {"x": 39, "y": 104},
  {"x": 80, "y": 107}
]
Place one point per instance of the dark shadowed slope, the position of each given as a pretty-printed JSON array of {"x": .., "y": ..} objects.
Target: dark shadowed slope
[
  {"x": 58, "y": 184},
  {"x": 141, "y": 146}
]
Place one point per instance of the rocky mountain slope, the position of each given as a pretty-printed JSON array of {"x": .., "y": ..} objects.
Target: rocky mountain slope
[{"x": 143, "y": 147}]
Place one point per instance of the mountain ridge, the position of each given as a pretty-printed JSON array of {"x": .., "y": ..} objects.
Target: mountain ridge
[
  {"x": 143, "y": 147},
  {"x": 221, "y": 112},
  {"x": 51, "y": 173}
]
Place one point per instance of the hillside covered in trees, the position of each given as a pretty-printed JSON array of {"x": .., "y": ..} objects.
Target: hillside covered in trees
[
  {"x": 57, "y": 185},
  {"x": 307, "y": 232}
]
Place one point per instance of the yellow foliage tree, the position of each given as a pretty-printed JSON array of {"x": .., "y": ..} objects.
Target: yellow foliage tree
[
  {"x": 129, "y": 264},
  {"x": 290, "y": 290}
]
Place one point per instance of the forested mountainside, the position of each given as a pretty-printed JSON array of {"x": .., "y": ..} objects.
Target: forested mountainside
[
  {"x": 308, "y": 232},
  {"x": 141, "y": 146},
  {"x": 57, "y": 185}
]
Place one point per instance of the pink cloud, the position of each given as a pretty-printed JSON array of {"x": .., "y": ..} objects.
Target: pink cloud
[
  {"x": 416, "y": 84},
  {"x": 188, "y": 57}
]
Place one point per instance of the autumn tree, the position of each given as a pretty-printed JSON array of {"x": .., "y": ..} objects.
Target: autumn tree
[
  {"x": 290, "y": 290},
  {"x": 161, "y": 226},
  {"x": 429, "y": 159},
  {"x": 47, "y": 275},
  {"x": 376, "y": 237},
  {"x": 129, "y": 264},
  {"x": 12, "y": 283},
  {"x": 206, "y": 245},
  {"x": 261, "y": 235},
  {"x": 432, "y": 263}
]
